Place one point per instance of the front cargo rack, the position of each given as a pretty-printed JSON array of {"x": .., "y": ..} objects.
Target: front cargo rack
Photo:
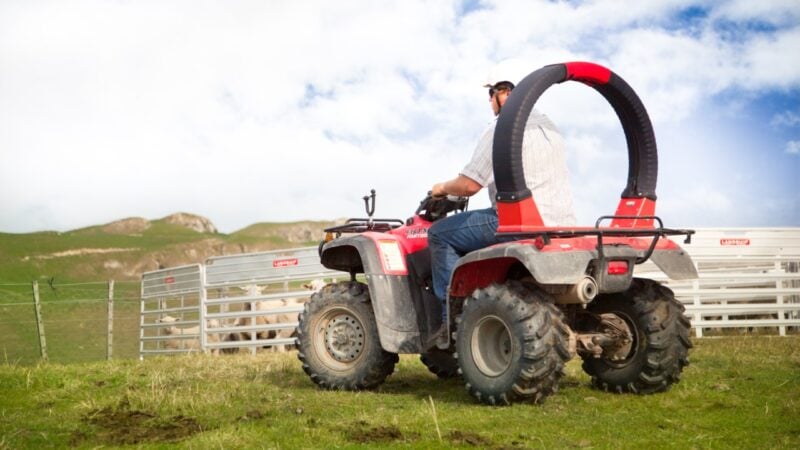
[{"x": 362, "y": 225}]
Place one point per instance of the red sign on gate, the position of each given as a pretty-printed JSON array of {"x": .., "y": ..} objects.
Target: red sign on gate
[
  {"x": 169, "y": 280},
  {"x": 734, "y": 242},
  {"x": 284, "y": 262}
]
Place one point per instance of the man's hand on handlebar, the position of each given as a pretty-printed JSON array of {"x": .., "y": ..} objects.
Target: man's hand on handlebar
[
  {"x": 437, "y": 191},
  {"x": 434, "y": 208},
  {"x": 460, "y": 186}
]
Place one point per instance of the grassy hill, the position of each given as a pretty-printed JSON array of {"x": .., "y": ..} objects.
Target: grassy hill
[{"x": 124, "y": 249}]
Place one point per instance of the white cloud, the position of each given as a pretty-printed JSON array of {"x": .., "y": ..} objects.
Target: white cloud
[
  {"x": 785, "y": 119},
  {"x": 257, "y": 111},
  {"x": 776, "y": 12},
  {"x": 793, "y": 147}
]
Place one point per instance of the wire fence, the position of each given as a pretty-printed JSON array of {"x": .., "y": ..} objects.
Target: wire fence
[{"x": 68, "y": 322}]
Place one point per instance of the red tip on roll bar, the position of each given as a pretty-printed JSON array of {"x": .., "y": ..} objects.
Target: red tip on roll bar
[{"x": 586, "y": 72}]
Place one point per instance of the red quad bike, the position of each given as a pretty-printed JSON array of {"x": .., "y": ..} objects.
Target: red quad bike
[{"x": 519, "y": 310}]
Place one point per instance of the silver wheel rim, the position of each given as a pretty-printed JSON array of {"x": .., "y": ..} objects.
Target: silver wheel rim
[
  {"x": 625, "y": 354},
  {"x": 343, "y": 336},
  {"x": 492, "y": 346}
]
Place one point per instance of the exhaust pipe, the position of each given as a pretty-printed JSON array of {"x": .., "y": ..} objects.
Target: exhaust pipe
[{"x": 582, "y": 292}]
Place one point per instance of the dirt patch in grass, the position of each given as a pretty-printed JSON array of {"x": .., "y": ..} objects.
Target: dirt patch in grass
[
  {"x": 124, "y": 426},
  {"x": 362, "y": 433},
  {"x": 467, "y": 438}
]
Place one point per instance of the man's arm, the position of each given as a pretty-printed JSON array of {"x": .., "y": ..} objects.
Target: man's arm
[{"x": 460, "y": 186}]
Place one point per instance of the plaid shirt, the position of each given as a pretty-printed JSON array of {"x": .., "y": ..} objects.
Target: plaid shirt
[{"x": 543, "y": 162}]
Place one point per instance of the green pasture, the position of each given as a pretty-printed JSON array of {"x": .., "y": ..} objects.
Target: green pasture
[{"x": 739, "y": 392}]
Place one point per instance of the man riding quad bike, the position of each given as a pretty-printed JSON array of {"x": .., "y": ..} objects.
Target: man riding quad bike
[{"x": 519, "y": 310}]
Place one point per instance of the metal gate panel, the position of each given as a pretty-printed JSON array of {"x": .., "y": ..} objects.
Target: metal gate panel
[
  {"x": 173, "y": 281},
  {"x": 175, "y": 292},
  {"x": 241, "y": 282},
  {"x": 747, "y": 278},
  {"x": 266, "y": 268}
]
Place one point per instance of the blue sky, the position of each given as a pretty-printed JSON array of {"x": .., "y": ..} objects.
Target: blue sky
[{"x": 252, "y": 111}]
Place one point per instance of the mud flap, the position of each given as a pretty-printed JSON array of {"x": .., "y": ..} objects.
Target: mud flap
[
  {"x": 676, "y": 264},
  {"x": 394, "y": 312}
]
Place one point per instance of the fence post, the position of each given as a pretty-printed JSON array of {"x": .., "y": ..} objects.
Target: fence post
[
  {"x": 39, "y": 323},
  {"x": 141, "y": 319},
  {"x": 698, "y": 317},
  {"x": 110, "y": 349},
  {"x": 779, "y": 301},
  {"x": 792, "y": 267},
  {"x": 252, "y": 291},
  {"x": 201, "y": 299}
]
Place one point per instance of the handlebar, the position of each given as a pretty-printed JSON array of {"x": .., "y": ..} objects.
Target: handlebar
[{"x": 435, "y": 208}]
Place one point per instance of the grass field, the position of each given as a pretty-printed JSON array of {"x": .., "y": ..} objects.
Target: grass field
[{"x": 739, "y": 392}]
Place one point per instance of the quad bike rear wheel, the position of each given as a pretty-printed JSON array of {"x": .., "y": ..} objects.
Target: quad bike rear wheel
[
  {"x": 338, "y": 339},
  {"x": 511, "y": 344},
  {"x": 659, "y": 347}
]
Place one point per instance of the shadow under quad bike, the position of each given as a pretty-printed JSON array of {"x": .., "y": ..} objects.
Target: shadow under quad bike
[{"x": 519, "y": 310}]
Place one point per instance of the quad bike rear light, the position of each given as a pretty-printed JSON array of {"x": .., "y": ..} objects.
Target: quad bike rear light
[{"x": 617, "y": 267}]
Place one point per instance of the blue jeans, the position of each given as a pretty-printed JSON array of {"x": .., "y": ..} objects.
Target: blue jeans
[{"x": 452, "y": 238}]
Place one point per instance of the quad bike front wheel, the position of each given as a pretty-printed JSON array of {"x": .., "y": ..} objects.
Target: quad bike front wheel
[
  {"x": 338, "y": 339},
  {"x": 511, "y": 344},
  {"x": 659, "y": 340}
]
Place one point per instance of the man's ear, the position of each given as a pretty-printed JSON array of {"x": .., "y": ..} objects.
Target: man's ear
[{"x": 503, "y": 96}]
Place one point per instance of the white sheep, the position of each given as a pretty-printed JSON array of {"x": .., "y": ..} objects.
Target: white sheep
[
  {"x": 269, "y": 319},
  {"x": 186, "y": 344},
  {"x": 315, "y": 285}
]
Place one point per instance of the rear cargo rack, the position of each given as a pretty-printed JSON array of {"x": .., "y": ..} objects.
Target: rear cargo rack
[{"x": 547, "y": 234}]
